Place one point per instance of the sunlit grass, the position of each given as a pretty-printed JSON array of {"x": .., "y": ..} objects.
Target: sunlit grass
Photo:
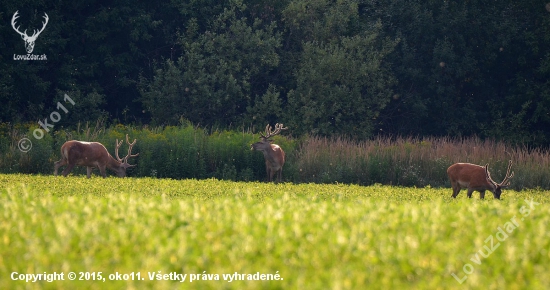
[{"x": 314, "y": 236}]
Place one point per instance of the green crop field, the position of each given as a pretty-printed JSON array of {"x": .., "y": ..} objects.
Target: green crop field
[{"x": 146, "y": 233}]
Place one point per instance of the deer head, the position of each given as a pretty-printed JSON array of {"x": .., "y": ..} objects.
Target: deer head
[
  {"x": 29, "y": 40},
  {"x": 124, "y": 161},
  {"x": 499, "y": 186}
]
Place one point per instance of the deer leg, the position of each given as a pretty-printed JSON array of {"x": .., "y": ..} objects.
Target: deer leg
[
  {"x": 68, "y": 170},
  {"x": 102, "y": 171},
  {"x": 89, "y": 171},
  {"x": 268, "y": 171},
  {"x": 456, "y": 189},
  {"x": 470, "y": 191},
  {"x": 58, "y": 164},
  {"x": 270, "y": 174},
  {"x": 279, "y": 174},
  {"x": 482, "y": 194}
]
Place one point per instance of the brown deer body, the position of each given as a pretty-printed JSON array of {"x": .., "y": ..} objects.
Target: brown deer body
[
  {"x": 93, "y": 154},
  {"x": 476, "y": 178},
  {"x": 273, "y": 154}
]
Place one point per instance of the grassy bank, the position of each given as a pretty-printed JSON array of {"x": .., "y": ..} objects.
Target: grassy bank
[{"x": 191, "y": 152}]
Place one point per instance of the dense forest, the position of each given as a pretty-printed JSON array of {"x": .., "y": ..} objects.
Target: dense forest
[{"x": 356, "y": 68}]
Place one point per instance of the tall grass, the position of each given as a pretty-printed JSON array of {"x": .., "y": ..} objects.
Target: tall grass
[
  {"x": 415, "y": 161},
  {"x": 187, "y": 151}
]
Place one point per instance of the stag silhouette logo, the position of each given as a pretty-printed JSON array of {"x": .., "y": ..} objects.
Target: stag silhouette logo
[{"x": 29, "y": 40}]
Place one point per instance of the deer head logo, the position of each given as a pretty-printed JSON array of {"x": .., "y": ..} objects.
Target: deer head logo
[{"x": 29, "y": 40}]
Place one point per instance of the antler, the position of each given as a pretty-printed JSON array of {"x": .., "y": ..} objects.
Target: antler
[
  {"x": 506, "y": 181},
  {"x": 125, "y": 159},
  {"x": 116, "y": 150},
  {"x": 24, "y": 34},
  {"x": 488, "y": 176},
  {"x": 269, "y": 133}
]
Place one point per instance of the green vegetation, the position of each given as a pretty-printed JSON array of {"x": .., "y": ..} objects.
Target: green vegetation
[
  {"x": 187, "y": 151},
  {"x": 397, "y": 67},
  {"x": 314, "y": 236},
  {"x": 195, "y": 81}
]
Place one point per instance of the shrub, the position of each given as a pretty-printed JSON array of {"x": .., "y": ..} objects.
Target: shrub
[{"x": 187, "y": 151}]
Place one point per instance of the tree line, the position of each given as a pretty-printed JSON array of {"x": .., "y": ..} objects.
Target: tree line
[{"x": 357, "y": 68}]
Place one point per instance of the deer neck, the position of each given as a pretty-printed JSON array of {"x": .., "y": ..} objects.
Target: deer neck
[
  {"x": 113, "y": 164},
  {"x": 492, "y": 186},
  {"x": 269, "y": 154}
]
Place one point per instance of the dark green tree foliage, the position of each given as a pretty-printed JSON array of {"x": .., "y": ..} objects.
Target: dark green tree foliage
[
  {"x": 341, "y": 82},
  {"x": 341, "y": 88},
  {"x": 94, "y": 54},
  {"x": 350, "y": 67},
  {"x": 467, "y": 68},
  {"x": 220, "y": 75},
  {"x": 21, "y": 85},
  {"x": 523, "y": 110}
]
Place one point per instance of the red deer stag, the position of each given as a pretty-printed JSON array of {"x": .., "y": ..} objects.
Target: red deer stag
[
  {"x": 93, "y": 154},
  {"x": 273, "y": 154},
  {"x": 476, "y": 178}
]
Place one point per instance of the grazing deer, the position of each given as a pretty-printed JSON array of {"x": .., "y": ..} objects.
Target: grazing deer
[
  {"x": 476, "y": 178},
  {"x": 93, "y": 154},
  {"x": 273, "y": 154}
]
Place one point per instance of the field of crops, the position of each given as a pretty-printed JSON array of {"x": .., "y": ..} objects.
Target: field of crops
[{"x": 148, "y": 233}]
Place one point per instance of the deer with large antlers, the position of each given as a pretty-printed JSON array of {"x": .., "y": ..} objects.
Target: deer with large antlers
[
  {"x": 273, "y": 154},
  {"x": 93, "y": 154},
  {"x": 476, "y": 178},
  {"x": 29, "y": 40}
]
